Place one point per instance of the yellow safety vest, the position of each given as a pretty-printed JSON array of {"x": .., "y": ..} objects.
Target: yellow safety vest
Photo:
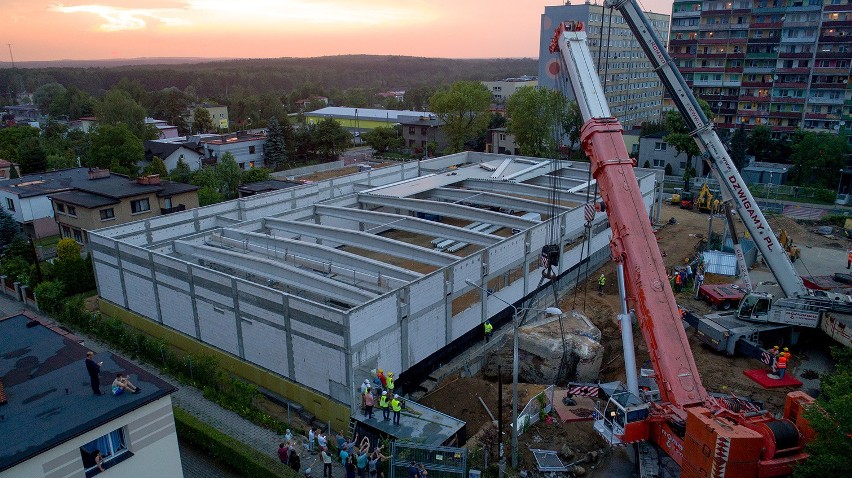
[
  {"x": 602, "y": 280},
  {"x": 395, "y": 405},
  {"x": 390, "y": 383},
  {"x": 488, "y": 327},
  {"x": 383, "y": 402}
]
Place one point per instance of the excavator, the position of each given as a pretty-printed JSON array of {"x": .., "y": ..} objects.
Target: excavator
[
  {"x": 704, "y": 201},
  {"x": 705, "y": 435}
]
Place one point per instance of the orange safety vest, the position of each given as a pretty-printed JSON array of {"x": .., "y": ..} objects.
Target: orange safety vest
[
  {"x": 782, "y": 361},
  {"x": 678, "y": 280},
  {"x": 849, "y": 257}
]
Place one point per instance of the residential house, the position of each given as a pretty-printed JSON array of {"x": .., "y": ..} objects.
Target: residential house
[
  {"x": 6, "y": 169},
  {"x": 359, "y": 120},
  {"x": 245, "y": 146},
  {"x": 53, "y": 423},
  {"x": 163, "y": 127},
  {"x": 171, "y": 151},
  {"x": 25, "y": 114},
  {"x": 84, "y": 124},
  {"x": 657, "y": 153},
  {"x": 101, "y": 199},
  {"x": 398, "y": 95},
  {"x": 499, "y": 141},
  {"x": 766, "y": 173},
  {"x": 419, "y": 131},
  {"x": 501, "y": 90},
  {"x": 219, "y": 114},
  {"x": 26, "y": 199},
  {"x": 311, "y": 102}
]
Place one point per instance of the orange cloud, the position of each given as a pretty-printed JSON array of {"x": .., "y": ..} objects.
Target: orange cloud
[{"x": 122, "y": 19}]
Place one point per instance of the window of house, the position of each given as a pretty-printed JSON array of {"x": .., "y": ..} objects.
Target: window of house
[
  {"x": 78, "y": 236},
  {"x": 140, "y": 205},
  {"x": 60, "y": 207},
  {"x": 10, "y": 204},
  {"x": 113, "y": 449},
  {"x": 72, "y": 211},
  {"x": 107, "y": 214},
  {"x": 658, "y": 146},
  {"x": 502, "y": 137},
  {"x": 251, "y": 149},
  {"x": 251, "y": 164},
  {"x": 167, "y": 203},
  {"x": 411, "y": 130}
]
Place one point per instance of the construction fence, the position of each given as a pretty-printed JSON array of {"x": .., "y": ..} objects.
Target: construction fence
[
  {"x": 537, "y": 408},
  {"x": 439, "y": 461}
]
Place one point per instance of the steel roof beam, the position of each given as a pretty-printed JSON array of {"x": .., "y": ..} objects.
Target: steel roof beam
[
  {"x": 363, "y": 240},
  {"x": 491, "y": 199},
  {"x": 410, "y": 224},
  {"x": 271, "y": 269},
  {"x": 443, "y": 208},
  {"x": 522, "y": 189}
]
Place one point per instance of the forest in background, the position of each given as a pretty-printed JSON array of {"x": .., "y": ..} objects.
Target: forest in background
[{"x": 216, "y": 78}]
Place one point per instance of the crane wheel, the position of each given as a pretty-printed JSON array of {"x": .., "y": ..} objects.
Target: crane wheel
[{"x": 726, "y": 305}]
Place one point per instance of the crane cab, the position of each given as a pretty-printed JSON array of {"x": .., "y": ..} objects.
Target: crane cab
[
  {"x": 754, "y": 307},
  {"x": 623, "y": 419}
]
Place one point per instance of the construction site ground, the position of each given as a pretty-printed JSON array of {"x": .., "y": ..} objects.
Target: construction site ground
[{"x": 679, "y": 241}]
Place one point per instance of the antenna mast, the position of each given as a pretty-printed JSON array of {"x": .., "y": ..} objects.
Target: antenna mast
[{"x": 10, "y": 55}]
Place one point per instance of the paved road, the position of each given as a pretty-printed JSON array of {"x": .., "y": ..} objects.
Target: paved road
[{"x": 191, "y": 400}]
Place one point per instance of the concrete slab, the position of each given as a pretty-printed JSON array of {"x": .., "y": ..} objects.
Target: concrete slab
[{"x": 418, "y": 423}]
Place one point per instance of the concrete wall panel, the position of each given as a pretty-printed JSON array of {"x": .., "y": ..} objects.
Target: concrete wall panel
[
  {"x": 218, "y": 326},
  {"x": 104, "y": 255},
  {"x": 466, "y": 320},
  {"x": 538, "y": 237},
  {"x": 383, "y": 351},
  {"x": 372, "y": 318},
  {"x": 142, "y": 299},
  {"x": 137, "y": 269},
  {"x": 319, "y": 333},
  {"x": 466, "y": 269},
  {"x": 426, "y": 334},
  {"x": 311, "y": 308},
  {"x": 425, "y": 292},
  {"x": 315, "y": 364},
  {"x": 177, "y": 310},
  {"x": 265, "y": 346},
  {"x": 502, "y": 255},
  {"x": 109, "y": 283},
  {"x": 172, "y": 232}
]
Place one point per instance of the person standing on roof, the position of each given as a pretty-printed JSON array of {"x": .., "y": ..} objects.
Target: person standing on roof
[
  {"x": 488, "y": 329},
  {"x": 384, "y": 404},
  {"x": 389, "y": 383},
  {"x": 396, "y": 405},
  {"x": 601, "y": 284}
]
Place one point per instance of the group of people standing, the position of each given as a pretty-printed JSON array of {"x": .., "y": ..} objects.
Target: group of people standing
[
  {"x": 779, "y": 360},
  {"x": 684, "y": 277},
  {"x": 381, "y": 390}
]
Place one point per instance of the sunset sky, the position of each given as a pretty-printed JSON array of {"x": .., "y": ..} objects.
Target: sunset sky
[{"x": 101, "y": 29}]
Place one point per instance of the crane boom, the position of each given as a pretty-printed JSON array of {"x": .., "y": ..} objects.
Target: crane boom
[
  {"x": 730, "y": 181},
  {"x": 634, "y": 243}
]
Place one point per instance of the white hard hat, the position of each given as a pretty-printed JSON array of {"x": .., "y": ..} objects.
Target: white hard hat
[
  {"x": 384, "y": 393},
  {"x": 395, "y": 396}
]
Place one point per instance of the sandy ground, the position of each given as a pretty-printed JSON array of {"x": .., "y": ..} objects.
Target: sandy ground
[{"x": 678, "y": 242}]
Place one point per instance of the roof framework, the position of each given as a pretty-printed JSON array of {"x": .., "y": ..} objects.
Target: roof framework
[
  {"x": 447, "y": 209},
  {"x": 491, "y": 199},
  {"x": 544, "y": 192}
]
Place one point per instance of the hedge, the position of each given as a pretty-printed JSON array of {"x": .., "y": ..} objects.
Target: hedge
[{"x": 244, "y": 460}]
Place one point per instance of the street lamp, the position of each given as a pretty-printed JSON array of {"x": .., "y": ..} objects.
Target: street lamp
[{"x": 515, "y": 317}]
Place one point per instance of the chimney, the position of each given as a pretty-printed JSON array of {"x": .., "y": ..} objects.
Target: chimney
[
  {"x": 150, "y": 179},
  {"x": 97, "y": 173}
]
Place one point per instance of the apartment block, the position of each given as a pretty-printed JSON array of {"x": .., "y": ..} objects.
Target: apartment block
[
  {"x": 634, "y": 91},
  {"x": 501, "y": 90},
  {"x": 781, "y": 63}
]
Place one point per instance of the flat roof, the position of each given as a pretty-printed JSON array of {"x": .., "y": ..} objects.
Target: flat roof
[
  {"x": 417, "y": 423},
  {"x": 46, "y": 383},
  {"x": 365, "y": 113}
]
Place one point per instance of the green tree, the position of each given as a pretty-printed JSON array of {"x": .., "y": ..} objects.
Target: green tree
[
  {"x": 46, "y": 94},
  {"x": 12, "y": 137},
  {"x": 682, "y": 141},
  {"x": 118, "y": 107},
  {"x": 652, "y": 127},
  {"x": 382, "y": 139},
  {"x": 205, "y": 178},
  {"x": 228, "y": 175},
  {"x": 534, "y": 119},
  {"x": 289, "y": 137},
  {"x": 463, "y": 107},
  {"x": 760, "y": 143},
  {"x": 202, "y": 122},
  {"x": 330, "y": 138},
  {"x": 831, "y": 419},
  {"x": 818, "y": 157},
  {"x": 739, "y": 147},
  {"x": 9, "y": 229},
  {"x": 73, "y": 104},
  {"x": 116, "y": 148},
  {"x": 50, "y": 296},
  {"x": 157, "y": 166},
  {"x": 56, "y": 161},
  {"x": 572, "y": 123},
  {"x": 208, "y": 196},
  {"x": 181, "y": 173},
  {"x": 170, "y": 105},
  {"x": 79, "y": 145},
  {"x": 31, "y": 156},
  {"x": 274, "y": 149},
  {"x": 255, "y": 175}
]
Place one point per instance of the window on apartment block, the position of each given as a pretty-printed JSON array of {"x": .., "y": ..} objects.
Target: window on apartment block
[
  {"x": 140, "y": 205},
  {"x": 251, "y": 149},
  {"x": 113, "y": 450},
  {"x": 658, "y": 146},
  {"x": 107, "y": 214},
  {"x": 10, "y": 204}
]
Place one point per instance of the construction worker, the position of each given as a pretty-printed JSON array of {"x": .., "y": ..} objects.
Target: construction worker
[
  {"x": 383, "y": 404},
  {"x": 699, "y": 279},
  {"x": 849, "y": 258},
  {"x": 773, "y": 359},
  {"x": 782, "y": 364},
  {"x": 488, "y": 329},
  {"x": 601, "y": 284},
  {"x": 389, "y": 382},
  {"x": 396, "y": 406},
  {"x": 678, "y": 280},
  {"x": 382, "y": 379}
]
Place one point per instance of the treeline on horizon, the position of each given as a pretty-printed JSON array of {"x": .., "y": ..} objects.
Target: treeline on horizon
[{"x": 215, "y": 78}]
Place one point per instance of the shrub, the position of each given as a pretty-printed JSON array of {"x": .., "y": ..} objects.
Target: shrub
[
  {"x": 825, "y": 196},
  {"x": 67, "y": 249},
  {"x": 226, "y": 450},
  {"x": 16, "y": 269},
  {"x": 668, "y": 170},
  {"x": 50, "y": 296}
]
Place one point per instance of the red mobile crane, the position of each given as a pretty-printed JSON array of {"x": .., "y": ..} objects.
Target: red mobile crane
[{"x": 706, "y": 436}]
